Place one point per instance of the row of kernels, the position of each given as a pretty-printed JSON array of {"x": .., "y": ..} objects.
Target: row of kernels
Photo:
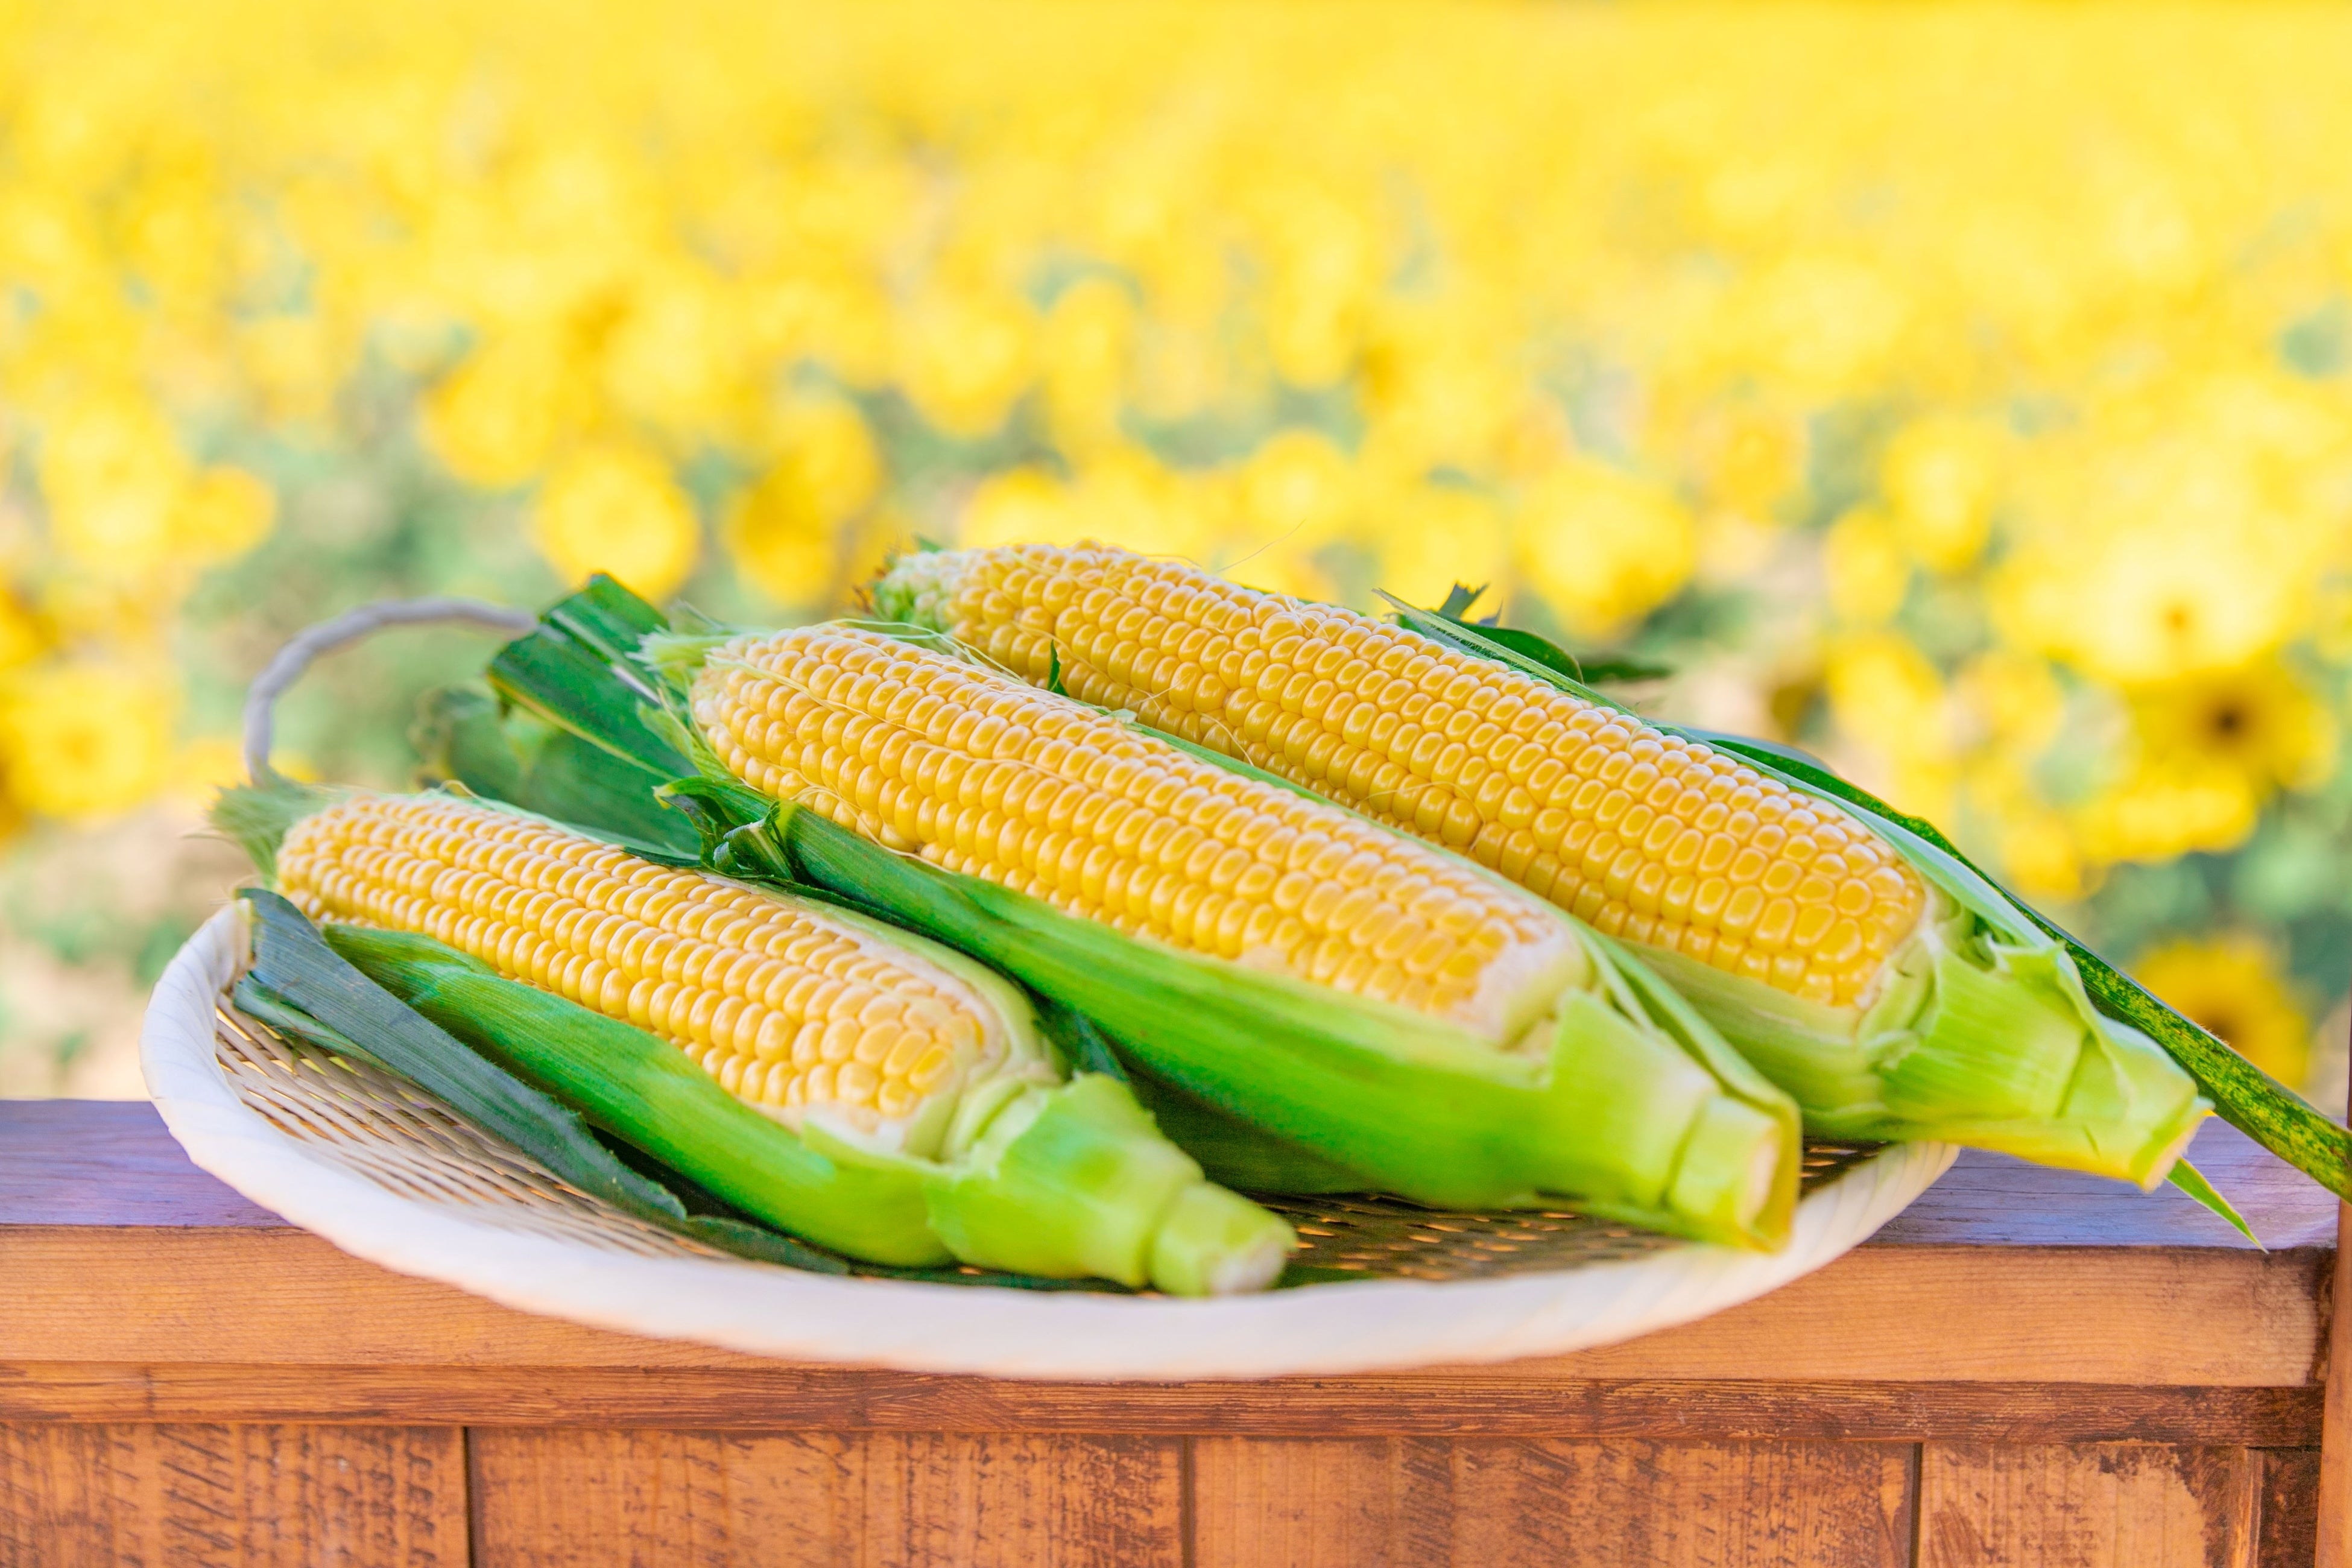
[
  {"x": 1157, "y": 853},
  {"x": 755, "y": 1000},
  {"x": 1548, "y": 769}
]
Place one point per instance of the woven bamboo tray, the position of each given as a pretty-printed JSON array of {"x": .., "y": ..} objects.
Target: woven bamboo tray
[{"x": 385, "y": 1173}]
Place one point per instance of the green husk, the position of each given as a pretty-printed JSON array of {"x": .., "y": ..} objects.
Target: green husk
[
  {"x": 626, "y": 1082},
  {"x": 462, "y": 738},
  {"x": 1046, "y": 1178},
  {"x": 256, "y": 816},
  {"x": 1062, "y": 1180},
  {"x": 1231, "y": 1150},
  {"x": 1338, "y": 1090},
  {"x": 1589, "y": 667},
  {"x": 1410, "y": 1105},
  {"x": 301, "y": 985},
  {"x": 577, "y": 671},
  {"x": 2239, "y": 1091}
]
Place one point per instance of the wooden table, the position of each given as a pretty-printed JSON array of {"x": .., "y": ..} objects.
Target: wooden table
[{"x": 2025, "y": 1368}]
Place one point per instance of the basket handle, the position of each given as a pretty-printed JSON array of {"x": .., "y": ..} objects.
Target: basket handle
[{"x": 354, "y": 625}]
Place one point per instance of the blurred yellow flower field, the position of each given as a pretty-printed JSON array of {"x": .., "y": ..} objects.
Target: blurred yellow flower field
[{"x": 1961, "y": 391}]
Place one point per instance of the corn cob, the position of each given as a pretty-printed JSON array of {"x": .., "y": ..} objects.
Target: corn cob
[
  {"x": 1803, "y": 934},
  {"x": 1388, "y": 1008},
  {"x": 978, "y": 774},
  {"x": 916, "y": 1067},
  {"x": 1636, "y": 833},
  {"x": 787, "y": 1008}
]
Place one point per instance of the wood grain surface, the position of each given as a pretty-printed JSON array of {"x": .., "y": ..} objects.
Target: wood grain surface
[
  {"x": 2333, "y": 1548},
  {"x": 2289, "y": 1525},
  {"x": 1376, "y": 1503},
  {"x": 2088, "y": 1506},
  {"x": 105, "y": 1162},
  {"x": 2147, "y": 1316},
  {"x": 1986, "y": 1200},
  {"x": 194, "y": 1495},
  {"x": 2027, "y": 1367},
  {"x": 701, "y": 1499},
  {"x": 853, "y": 1399}
]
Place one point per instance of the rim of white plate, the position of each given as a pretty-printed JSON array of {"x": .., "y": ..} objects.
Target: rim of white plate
[{"x": 767, "y": 1309}]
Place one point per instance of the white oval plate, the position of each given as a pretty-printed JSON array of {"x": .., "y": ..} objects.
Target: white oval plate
[{"x": 765, "y": 1309}]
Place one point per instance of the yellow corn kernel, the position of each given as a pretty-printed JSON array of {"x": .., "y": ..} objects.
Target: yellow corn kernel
[
  {"x": 1591, "y": 808},
  {"x": 1050, "y": 798},
  {"x": 736, "y": 980}
]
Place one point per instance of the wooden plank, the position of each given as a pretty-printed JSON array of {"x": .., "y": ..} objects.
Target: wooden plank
[
  {"x": 2289, "y": 1526},
  {"x": 2132, "y": 1315},
  {"x": 108, "y": 1162},
  {"x": 2333, "y": 1548},
  {"x": 583, "y": 1499},
  {"x": 2087, "y": 1506},
  {"x": 194, "y": 1496},
  {"x": 2333, "y": 1545},
  {"x": 784, "y": 1398},
  {"x": 2151, "y": 1317},
  {"x": 1328, "y": 1503},
  {"x": 1993, "y": 1200}
]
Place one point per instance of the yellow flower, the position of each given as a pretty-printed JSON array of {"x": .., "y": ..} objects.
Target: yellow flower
[
  {"x": 81, "y": 741},
  {"x": 1016, "y": 506},
  {"x": 675, "y": 359},
  {"x": 2016, "y": 700},
  {"x": 825, "y": 443},
  {"x": 1823, "y": 325},
  {"x": 2233, "y": 987},
  {"x": 2259, "y": 720},
  {"x": 1125, "y": 496},
  {"x": 2160, "y": 811},
  {"x": 1603, "y": 546},
  {"x": 1184, "y": 371},
  {"x": 1088, "y": 348},
  {"x": 112, "y": 475},
  {"x": 1892, "y": 710},
  {"x": 2151, "y": 562},
  {"x": 1281, "y": 568},
  {"x": 842, "y": 322},
  {"x": 964, "y": 358},
  {"x": 1938, "y": 475},
  {"x": 1321, "y": 256},
  {"x": 1749, "y": 458},
  {"x": 495, "y": 420},
  {"x": 2040, "y": 854},
  {"x": 777, "y": 537},
  {"x": 296, "y": 363},
  {"x": 1434, "y": 536},
  {"x": 617, "y": 508},
  {"x": 224, "y": 513},
  {"x": 1734, "y": 547},
  {"x": 1449, "y": 411},
  {"x": 1538, "y": 436},
  {"x": 1440, "y": 382},
  {"x": 1297, "y": 489},
  {"x": 20, "y": 637},
  {"x": 786, "y": 531},
  {"x": 2332, "y": 629},
  {"x": 1862, "y": 560},
  {"x": 204, "y": 766}
]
